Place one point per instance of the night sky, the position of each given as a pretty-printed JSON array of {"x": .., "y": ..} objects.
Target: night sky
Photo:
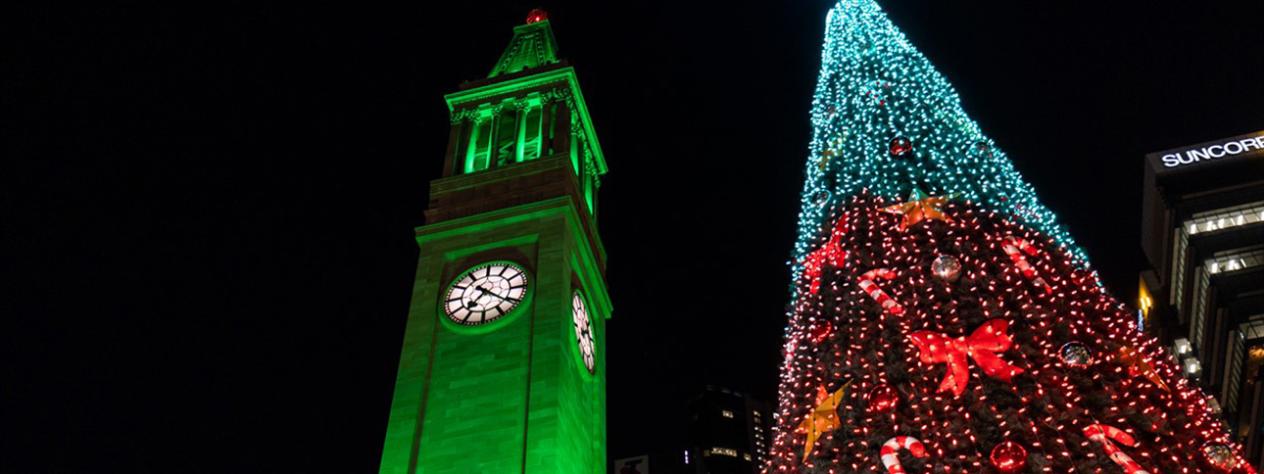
[{"x": 208, "y": 212}]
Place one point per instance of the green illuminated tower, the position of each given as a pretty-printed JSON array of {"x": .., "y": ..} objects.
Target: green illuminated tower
[{"x": 503, "y": 363}]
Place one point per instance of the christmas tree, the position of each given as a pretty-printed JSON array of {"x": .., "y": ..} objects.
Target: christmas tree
[{"x": 943, "y": 320}]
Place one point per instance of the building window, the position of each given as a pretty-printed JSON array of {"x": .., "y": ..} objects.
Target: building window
[
  {"x": 513, "y": 132},
  {"x": 549, "y": 132},
  {"x": 529, "y": 132},
  {"x": 726, "y": 413},
  {"x": 730, "y": 452},
  {"x": 507, "y": 136},
  {"x": 1226, "y": 218},
  {"x": 1198, "y": 323},
  {"x": 1239, "y": 260},
  {"x": 1179, "y": 249},
  {"x": 1209, "y": 221},
  {"x": 1233, "y": 369},
  {"x": 478, "y": 154},
  {"x": 1246, "y": 355},
  {"x": 1222, "y": 262}
]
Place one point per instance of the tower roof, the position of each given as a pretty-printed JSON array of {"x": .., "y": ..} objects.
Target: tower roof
[{"x": 532, "y": 46}]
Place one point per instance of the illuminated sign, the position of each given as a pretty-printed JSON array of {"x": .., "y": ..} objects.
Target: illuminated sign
[{"x": 1241, "y": 146}]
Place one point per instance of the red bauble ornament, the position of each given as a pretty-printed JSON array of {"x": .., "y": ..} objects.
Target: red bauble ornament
[
  {"x": 537, "y": 15},
  {"x": 882, "y": 399},
  {"x": 1009, "y": 457},
  {"x": 900, "y": 146},
  {"x": 821, "y": 332}
]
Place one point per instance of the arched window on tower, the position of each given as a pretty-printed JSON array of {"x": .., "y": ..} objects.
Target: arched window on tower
[
  {"x": 478, "y": 155},
  {"x": 529, "y": 136},
  {"x": 590, "y": 191},
  {"x": 511, "y": 133},
  {"x": 550, "y": 129},
  {"x": 506, "y": 135}
]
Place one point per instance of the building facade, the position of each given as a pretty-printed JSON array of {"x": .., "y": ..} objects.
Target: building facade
[
  {"x": 503, "y": 362},
  {"x": 1203, "y": 235},
  {"x": 728, "y": 433}
]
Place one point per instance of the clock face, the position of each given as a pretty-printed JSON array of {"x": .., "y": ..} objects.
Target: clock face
[
  {"x": 583, "y": 331},
  {"x": 485, "y": 292}
]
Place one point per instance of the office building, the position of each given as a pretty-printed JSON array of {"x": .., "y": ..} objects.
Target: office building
[
  {"x": 1203, "y": 235},
  {"x": 728, "y": 432}
]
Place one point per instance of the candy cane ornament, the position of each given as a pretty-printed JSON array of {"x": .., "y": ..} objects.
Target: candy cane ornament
[
  {"x": 1015, "y": 248},
  {"x": 1104, "y": 434},
  {"x": 868, "y": 286},
  {"x": 891, "y": 448}
]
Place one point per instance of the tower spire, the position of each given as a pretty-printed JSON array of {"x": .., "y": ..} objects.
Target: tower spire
[{"x": 532, "y": 46}]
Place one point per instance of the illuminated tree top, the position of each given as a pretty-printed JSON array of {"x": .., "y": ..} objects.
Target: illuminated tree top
[{"x": 887, "y": 122}]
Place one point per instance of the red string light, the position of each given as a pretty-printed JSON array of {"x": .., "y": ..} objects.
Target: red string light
[{"x": 1047, "y": 404}]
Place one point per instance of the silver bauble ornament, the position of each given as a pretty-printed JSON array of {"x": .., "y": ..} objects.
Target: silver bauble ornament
[
  {"x": 946, "y": 267},
  {"x": 1220, "y": 457},
  {"x": 822, "y": 198},
  {"x": 1076, "y": 355}
]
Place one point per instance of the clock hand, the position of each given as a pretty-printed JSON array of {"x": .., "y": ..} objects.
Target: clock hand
[
  {"x": 474, "y": 302},
  {"x": 483, "y": 292},
  {"x": 490, "y": 292}
]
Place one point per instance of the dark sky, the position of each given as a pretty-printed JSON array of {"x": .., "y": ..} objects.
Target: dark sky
[{"x": 208, "y": 211}]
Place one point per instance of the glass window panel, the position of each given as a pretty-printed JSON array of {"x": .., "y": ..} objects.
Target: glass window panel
[{"x": 1225, "y": 218}]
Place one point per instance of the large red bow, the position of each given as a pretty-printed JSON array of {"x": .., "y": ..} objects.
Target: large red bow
[
  {"x": 831, "y": 254},
  {"x": 984, "y": 346}
]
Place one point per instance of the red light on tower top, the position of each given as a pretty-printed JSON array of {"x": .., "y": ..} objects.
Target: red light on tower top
[{"x": 537, "y": 15}]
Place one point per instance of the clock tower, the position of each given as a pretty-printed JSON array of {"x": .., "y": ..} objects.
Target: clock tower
[{"x": 503, "y": 361}]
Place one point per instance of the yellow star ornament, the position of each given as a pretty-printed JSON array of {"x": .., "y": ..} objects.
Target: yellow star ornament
[
  {"x": 824, "y": 418},
  {"x": 918, "y": 208}
]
